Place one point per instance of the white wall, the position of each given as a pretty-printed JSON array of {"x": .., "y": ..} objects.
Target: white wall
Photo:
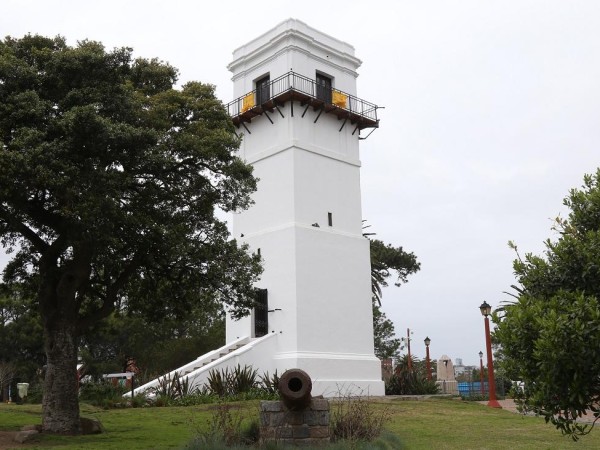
[{"x": 318, "y": 277}]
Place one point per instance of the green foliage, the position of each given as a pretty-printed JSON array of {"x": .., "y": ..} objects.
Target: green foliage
[
  {"x": 109, "y": 182},
  {"x": 387, "y": 259},
  {"x": 238, "y": 384},
  {"x": 104, "y": 394},
  {"x": 243, "y": 379},
  {"x": 269, "y": 383},
  {"x": 227, "y": 382},
  {"x": 385, "y": 343},
  {"x": 173, "y": 387},
  {"x": 21, "y": 334},
  {"x": 35, "y": 392},
  {"x": 228, "y": 426},
  {"x": 415, "y": 425},
  {"x": 550, "y": 336},
  {"x": 407, "y": 381}
]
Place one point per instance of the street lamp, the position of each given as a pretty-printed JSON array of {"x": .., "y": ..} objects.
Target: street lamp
[
  {"x": 481, "y": 372},
  {"x": 428, "y": 364},
  {"x": 486, "y": 310}
]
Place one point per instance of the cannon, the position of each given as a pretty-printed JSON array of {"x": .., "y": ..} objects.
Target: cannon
[{"x": 294, "y": 388}]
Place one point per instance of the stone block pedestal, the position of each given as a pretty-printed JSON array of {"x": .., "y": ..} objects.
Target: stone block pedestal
[{"x": 305, "y": 428}]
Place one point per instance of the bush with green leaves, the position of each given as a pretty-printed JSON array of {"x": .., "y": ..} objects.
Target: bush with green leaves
[
  {"x": 241, "y": 383},
  {"x": 549, "y": 335},
  {"x": 237, "y": 384},
  {"x": 175, "y": 386},
  {"x": 104, "y": 394},
  {"x": 410, "y": 379}
]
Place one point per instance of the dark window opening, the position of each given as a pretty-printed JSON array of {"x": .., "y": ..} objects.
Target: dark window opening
[
  {"x": 330, "y": 219},
  {"x": 261, "y": 312},
  {"x": 263, "y": 90},
  {"x": 324, "y": 88}
]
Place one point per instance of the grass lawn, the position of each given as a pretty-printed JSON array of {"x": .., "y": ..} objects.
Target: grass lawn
[
  {"x": 453, "y": 424},
  {"x": 429, "y": 424}
]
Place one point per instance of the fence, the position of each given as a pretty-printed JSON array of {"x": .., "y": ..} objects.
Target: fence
[{"x": 471, "y": 388}]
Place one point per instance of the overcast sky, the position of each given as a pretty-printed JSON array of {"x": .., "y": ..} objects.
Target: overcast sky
[{"x": 492, "y": 113}]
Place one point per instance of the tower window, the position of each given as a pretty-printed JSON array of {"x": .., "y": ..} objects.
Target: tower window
[
  {"x": 330, "y": 219},
  {"x": 324, "y": 88},
  {"x": 263, "y": 90}
]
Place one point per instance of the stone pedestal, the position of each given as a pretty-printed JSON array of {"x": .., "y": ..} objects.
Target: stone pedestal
[
  {"x": 448, "y": 387},
  {"x": 306, "y": 428}
]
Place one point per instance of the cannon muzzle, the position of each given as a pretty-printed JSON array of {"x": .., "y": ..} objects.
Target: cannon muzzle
[{"x": 294, "y": 388}]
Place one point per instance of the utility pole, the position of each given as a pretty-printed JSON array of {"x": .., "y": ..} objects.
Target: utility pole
[{"x": 408, "y": 346}]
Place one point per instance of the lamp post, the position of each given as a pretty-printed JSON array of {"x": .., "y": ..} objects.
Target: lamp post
[
  {"x": 481, "y": 372},
  {"x": 427, "y": 363},
  {"x": 486, "y": 310}
]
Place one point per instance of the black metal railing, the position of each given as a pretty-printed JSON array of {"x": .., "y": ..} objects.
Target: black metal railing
[{"x": 294, "y": 86}]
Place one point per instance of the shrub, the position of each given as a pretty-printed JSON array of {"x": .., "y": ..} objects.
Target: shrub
[
  {"x": 357, "y": 419},
  {"x": 173, "y": 388},
  {"x": 226, "y": 383},
  {"x": 103, "y": 394},
  {"x": 269, "y": 383},
  {"x": 406, "y": 382},
  {"x": 35, "y": 393},
  {"x": 227, "y": 427}
]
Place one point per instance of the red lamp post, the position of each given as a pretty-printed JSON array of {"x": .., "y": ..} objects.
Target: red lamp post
[
  {"x": 481, "y": 372},
  {"x": 486, "y": 310},
  {"x": 427, "y": 363}
]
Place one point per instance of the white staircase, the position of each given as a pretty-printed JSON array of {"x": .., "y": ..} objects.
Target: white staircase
[{"x": 228, "y": 356}]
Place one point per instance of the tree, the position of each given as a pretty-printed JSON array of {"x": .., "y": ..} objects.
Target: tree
[
  {"x": 410, "y": 379},
  {"x": 21, "y": 341},
  {"x": 385, "y": 341},
  {"x": 550, "y": 336},
  {"x": 385, "y": 261},
  {"x": 158, "y": 346},
  {"x": 109, "y": 182}
]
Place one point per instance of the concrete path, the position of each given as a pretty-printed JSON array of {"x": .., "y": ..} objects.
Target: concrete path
[{"x": 509, "y": 405}]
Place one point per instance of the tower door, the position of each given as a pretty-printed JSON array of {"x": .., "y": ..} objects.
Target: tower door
[
  {"x": 324, "y": 88},
  {"x": 263, "y": 90},
  {"x": 261, "y": 313}
]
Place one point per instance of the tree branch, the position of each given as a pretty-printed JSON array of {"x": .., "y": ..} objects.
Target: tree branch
[
  {"x": 19, "y": 227},
  {"x": 109, "y": 302}
]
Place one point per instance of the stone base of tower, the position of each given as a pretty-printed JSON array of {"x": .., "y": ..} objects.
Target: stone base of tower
[{"x": 335, "y": 375}]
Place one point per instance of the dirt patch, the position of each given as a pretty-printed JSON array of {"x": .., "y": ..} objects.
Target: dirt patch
[{"x": 7, "y": 441}]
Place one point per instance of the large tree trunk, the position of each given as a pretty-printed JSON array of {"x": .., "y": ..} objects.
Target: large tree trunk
[{"x": 60, "y": 407}]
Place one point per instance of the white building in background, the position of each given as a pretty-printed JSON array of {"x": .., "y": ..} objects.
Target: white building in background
[{"x": 296, "y": 105}]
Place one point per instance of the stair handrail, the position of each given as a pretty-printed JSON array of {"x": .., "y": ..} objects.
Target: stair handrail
[{"x": 152, "y": 383}]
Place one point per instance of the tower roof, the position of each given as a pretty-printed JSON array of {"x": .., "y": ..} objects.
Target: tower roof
[{"x": 293, "y": 33}]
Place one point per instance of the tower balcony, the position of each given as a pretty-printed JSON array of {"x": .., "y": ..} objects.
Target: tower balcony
[{"x": 269, "y": 96}]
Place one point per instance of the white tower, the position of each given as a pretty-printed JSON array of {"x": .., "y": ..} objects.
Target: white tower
[{"x": 300, "y": 117}]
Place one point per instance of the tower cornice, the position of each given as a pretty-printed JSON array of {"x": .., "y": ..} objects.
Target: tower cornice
[{"x": 293, "y": 34}]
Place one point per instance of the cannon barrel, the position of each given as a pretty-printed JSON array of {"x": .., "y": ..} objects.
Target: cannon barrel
[{"x": 294, "y": 388}]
